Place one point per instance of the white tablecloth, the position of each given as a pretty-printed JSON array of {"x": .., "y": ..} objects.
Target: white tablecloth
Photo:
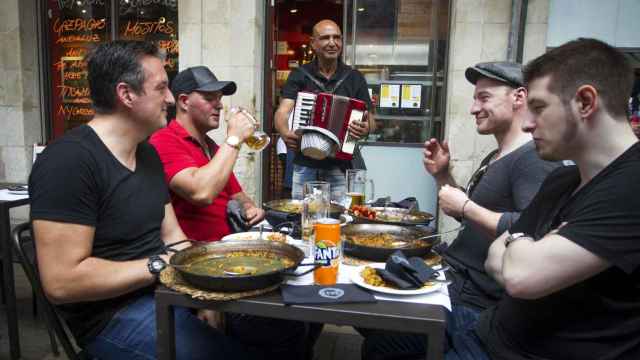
[{"x": 439, "y": 297}]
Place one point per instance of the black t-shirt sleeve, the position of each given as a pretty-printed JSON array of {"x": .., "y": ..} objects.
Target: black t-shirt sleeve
[
  {"x": 72, "y": 198},
  {"x": 606, "y": 223},
  {"x": 294, "y": 84},
  {"x": 362, "y": 92}
]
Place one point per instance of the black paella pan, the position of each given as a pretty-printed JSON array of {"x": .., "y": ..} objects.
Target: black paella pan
[
  {"x": 376, "y": 242},
  {"x": 394, "y": 216},
  {"x": 189, "y": 264}
]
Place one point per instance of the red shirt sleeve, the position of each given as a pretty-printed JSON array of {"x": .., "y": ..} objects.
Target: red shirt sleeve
[
  {"x": 233, "y": 186},
  {"x": 175, "y": 156}
]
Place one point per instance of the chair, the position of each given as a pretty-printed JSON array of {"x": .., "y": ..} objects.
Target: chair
[{"x": 26, "y": 251}]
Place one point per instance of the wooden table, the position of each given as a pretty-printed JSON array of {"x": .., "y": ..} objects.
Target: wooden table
[
  {"x": 9, "y": 291},
  {"x": 387, "y": 315}
]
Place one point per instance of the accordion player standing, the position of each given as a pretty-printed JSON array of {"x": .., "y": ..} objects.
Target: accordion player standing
[{"x": 325, "y": 74}]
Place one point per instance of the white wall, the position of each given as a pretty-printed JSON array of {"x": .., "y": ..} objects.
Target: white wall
[
  {"x": 479, "y": 32},
  {"x": 226, "y": 36},
  {"x": 616, "y": 22}
]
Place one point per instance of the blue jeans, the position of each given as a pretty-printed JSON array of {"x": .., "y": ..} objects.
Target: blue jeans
[
  {"x": 334, "y": 176},
  {"x": 131, "y": 334},
  {"x": 461, "y": 341},
  {"x": 288, "y": 170}
]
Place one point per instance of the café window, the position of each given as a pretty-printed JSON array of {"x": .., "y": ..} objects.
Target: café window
[
  {"x": 400, "y": 46},
  {"x": 73, "y": 27}
]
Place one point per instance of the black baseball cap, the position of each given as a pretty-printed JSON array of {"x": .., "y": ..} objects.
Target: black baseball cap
[
  {"x": 507, "y": 72},
  {"x": 200, "y": 78}
]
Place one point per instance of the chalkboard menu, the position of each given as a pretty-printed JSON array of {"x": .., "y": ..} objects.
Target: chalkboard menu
[
  {"x": 152, "y": 20},
  {"x": 76, "y": 26}
]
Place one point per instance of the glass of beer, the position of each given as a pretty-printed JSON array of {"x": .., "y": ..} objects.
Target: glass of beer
[
  {"x": 316, "y": 200},
  {"x": 259, "y": 139},
  {"x": 356, "y": 187}
]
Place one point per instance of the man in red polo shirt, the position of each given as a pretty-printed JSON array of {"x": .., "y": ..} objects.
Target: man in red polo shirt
[
  {"x": 199, "y": 172},
  {"x": 201, "y": 180}
]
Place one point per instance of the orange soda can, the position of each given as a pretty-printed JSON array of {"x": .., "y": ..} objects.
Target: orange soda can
[{"x": 327, "y": 251}]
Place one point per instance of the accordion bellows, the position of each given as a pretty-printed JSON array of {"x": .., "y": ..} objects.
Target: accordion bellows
[{"x": 316, "y": 145}]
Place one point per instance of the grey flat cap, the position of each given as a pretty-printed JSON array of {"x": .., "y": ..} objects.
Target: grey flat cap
[{"x": 509, "y": 73}]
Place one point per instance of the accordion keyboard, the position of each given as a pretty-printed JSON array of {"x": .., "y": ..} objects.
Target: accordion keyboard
[{"x": 303, "y": 111}]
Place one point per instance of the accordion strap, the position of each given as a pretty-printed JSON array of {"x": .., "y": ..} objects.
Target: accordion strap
[{"x": 320, "y": 85}]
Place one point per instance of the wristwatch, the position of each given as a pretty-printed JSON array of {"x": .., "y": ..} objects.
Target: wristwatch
[
  {"x": 513, "y": 237},
  {"x": 156, "y": 264},
  {"x": 233, "y": 141}
]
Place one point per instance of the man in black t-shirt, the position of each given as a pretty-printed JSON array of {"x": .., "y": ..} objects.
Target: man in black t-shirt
[
  {"x": 571, "y": 265},
  {"x": 336, "y": 77},
  {"x": 503, "y": 185},
  {"x": 101, "y": 215}
]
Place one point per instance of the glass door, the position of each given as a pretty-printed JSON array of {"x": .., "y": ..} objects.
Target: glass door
[{"x": 400, "y": 47}]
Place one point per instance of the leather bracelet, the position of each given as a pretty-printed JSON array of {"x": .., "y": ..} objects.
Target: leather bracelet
[{"x": 463, "y": 205}]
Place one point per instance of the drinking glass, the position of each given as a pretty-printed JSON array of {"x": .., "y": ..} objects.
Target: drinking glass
[
  {"x": 259, "y": 139},
  {"x": 316, "y": 200},
  {"x": 356, "y": 187}
]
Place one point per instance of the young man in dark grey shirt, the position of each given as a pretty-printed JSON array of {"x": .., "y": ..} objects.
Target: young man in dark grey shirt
[{"x": 503, "y": 185}]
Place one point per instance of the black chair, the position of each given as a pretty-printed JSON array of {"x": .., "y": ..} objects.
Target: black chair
[{"x": 26, "y": 251}]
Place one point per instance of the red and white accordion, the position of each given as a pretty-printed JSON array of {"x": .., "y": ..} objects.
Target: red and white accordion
[{"x": 323, "y": 121}]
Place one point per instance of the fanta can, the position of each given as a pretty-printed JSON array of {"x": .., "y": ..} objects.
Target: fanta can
[{"x": 327, "y": 250}]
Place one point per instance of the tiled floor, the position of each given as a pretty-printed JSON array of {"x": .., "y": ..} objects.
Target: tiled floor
[{"x": 335, "y": 343}]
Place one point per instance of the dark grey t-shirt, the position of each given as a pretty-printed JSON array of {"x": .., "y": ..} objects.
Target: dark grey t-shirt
[{"x": 507, "y": 187}]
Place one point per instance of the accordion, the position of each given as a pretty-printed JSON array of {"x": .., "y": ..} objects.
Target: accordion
[{"x": 323, "y": 121}]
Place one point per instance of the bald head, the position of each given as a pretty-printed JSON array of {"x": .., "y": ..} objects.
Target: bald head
[
  {"x": 326, "y": 41},
  {"x": 322, "y": 24}
]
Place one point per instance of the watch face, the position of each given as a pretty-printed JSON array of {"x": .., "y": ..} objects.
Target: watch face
[
  {"x": 157, "y": 265},
  {"x": 233, "y": 140}
]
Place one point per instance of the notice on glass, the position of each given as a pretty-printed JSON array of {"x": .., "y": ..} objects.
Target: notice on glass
[
  {"x": 282, "y": 47},
  {"x": 411, "y": 96},
  {"x": 389, "y": 96}
]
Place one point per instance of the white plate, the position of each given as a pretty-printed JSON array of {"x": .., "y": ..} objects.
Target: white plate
[
  {"x": 358, "y": 280},
  {"x": 253, "y": 235}
]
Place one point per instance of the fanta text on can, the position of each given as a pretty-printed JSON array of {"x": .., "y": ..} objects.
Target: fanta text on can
[{"x": 327, "y": 251}]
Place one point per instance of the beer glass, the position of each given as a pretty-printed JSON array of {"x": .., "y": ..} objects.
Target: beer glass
[
  {"x": 259, "y": 139},
  {"x": 316, "y": 200},
  {"x": 356, "y": 187}
]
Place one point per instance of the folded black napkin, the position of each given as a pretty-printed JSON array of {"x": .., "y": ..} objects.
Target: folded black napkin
[
  {"x": 334, "y": 294},
  {"x": 407, "y": 203},
  {"x": 406, "y": 273},
  {"x": 236, "y": 217}
]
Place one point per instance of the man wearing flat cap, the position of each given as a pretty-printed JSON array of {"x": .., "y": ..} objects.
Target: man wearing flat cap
[{"x": 502, "y": 186}]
